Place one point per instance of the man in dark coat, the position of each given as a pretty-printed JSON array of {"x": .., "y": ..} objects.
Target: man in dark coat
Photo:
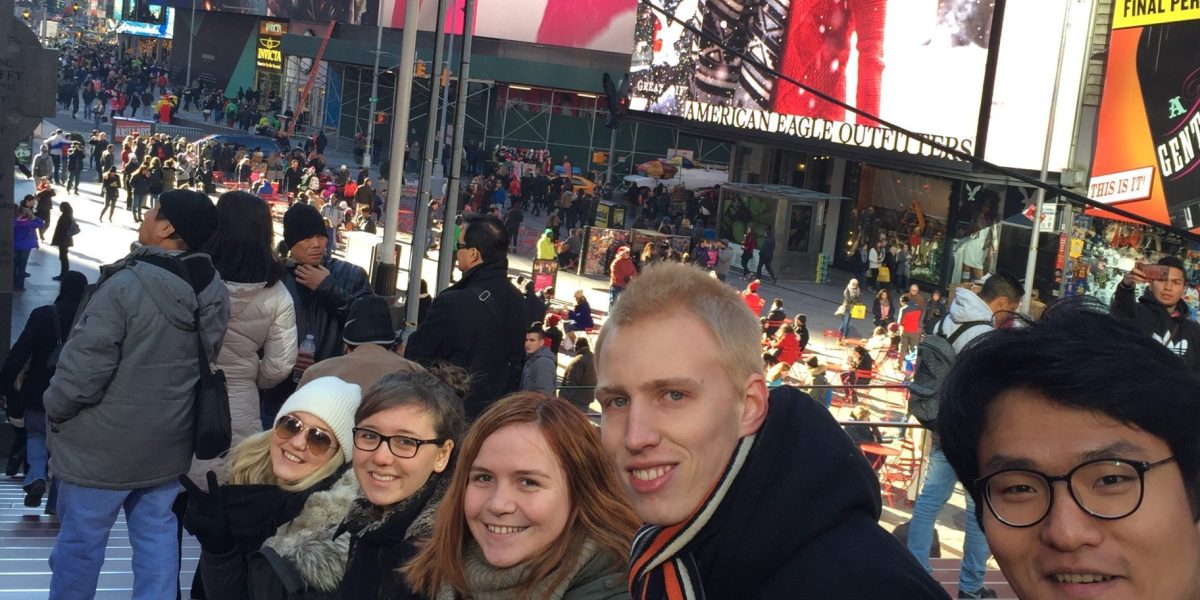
[
  {"x": 322, "y": 289},
  {"x": 745, "y": 495},
  {"x": 476, "y": 322}
]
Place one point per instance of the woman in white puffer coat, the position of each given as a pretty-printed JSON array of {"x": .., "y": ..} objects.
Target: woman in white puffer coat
[{"x": 259, "y": 350}]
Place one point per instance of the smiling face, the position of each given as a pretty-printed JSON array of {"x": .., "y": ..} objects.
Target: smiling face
[
  {"x": 671, "y": 417},
  {"x": 517, "y": 501},
  {"x": 386, "y": 478},
  {"x": 292, "y": 459},
  {"x": 1152, "y": 553}
]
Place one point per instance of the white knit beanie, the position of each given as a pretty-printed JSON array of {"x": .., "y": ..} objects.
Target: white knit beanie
[{"x": 331, "y": 400}]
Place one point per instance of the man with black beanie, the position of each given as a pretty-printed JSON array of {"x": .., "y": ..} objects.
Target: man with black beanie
[
  {"x": 119, "y": 407},
  {"x": 323, "y": 288}
]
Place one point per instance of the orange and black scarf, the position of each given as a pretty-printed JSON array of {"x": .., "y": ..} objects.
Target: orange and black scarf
[{"x": 661, "y": 562}]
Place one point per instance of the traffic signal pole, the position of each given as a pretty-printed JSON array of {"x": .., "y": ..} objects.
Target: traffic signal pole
[
  {"x": 420, "y": 236},
  {"x": 446, "y": 253},
  {"x": 385, "y": 269}
]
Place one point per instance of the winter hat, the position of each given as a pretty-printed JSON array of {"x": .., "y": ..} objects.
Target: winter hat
[
  {"x": 754, "y": 285},
  {"x": 301, "y": 222},
  {"x": 369, "y": 322},
  {"x": 331, "y": 400},
  {"x": 191, "y": 213}
]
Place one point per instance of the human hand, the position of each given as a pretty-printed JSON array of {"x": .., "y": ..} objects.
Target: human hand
[
  {"x": 303, "y": 362},
  {"x": 206, "y": 517},
  {"x": 310, "y": 276},
  {"x": 1134, "y": 276}
]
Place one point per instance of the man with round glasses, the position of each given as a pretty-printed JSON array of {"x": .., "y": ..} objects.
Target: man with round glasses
[{"x": 1082, "y": 455}]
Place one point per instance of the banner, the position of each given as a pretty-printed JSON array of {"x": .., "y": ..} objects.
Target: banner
[
  {"x": 1139, "y": 13},
  {"x": 1148, "y": 138},
  {"x": 123, "y": 127},
  {"x": 918, "y": 63},
  {"x": 545, "y": 273}
]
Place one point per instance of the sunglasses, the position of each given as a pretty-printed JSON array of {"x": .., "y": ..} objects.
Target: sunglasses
[{"x": 317, "y": 441}]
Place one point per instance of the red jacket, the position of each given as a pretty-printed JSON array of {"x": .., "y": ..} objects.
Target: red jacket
[
  {"x": 754, "y": 301},
  {"x": 622, "y": 271},
  {"x": 789, "y": 348}
]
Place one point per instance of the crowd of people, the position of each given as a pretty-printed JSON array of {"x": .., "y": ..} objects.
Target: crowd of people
[{"x": 452, "y": 461}]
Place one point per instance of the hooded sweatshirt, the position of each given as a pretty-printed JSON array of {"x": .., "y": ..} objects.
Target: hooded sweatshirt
[
  {"x": 967, "y": 307},
  {"x": 538, "y": 374},
  {"x": 1171, "y": 327},
  {"x": 801, "y": 522}
]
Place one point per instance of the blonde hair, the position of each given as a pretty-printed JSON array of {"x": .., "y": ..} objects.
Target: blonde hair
[
  {"x": 250, "y": 464},
  {"x": 667, "y": 288}
]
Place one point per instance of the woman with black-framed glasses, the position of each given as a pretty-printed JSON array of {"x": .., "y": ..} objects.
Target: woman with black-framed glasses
[
  {"x": 1085, "y": 454},
  {"x": 404, "y": 439}
]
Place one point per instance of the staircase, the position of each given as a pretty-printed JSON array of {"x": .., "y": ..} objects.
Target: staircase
[
  {"x": 945, "y": 571},
  {"x": 27, "y": 535}
]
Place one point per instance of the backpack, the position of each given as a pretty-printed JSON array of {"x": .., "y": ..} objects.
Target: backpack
[{"x": 935, "y": 357}]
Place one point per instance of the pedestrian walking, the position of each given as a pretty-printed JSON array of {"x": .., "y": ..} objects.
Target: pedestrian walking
[
  {"x": 76, "y": 158},
  {"x": 111, "y": 189},
  {"x": 749, "y": 241},
  {"x": 766, "y": 253},
  {"x": 64, "y": 237},
  {"x": 25, "y": 240},
  {"x": 45, "y": 206}
]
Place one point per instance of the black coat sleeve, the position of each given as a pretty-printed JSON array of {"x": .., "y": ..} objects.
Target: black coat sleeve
[
  {"x": 1123, "y": 303},
  {"x": 21, "y": 353}
]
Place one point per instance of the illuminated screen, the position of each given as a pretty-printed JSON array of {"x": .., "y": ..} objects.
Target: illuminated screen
[
  {"x": 1147, "y": 156},
  {"x": 918, "y": 63},
  {"x": 164, "y": 27}
]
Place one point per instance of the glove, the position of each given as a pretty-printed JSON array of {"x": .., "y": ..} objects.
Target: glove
[{"x": 206, "y": 517}]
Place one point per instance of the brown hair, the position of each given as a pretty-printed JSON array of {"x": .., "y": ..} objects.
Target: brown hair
[{"x": 600, "y": 511}]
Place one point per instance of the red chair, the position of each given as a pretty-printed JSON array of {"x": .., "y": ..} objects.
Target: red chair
[{"x": 899, "y": 473}]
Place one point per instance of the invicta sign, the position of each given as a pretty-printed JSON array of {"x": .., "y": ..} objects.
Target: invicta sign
[{"x": 269, "y": 55}]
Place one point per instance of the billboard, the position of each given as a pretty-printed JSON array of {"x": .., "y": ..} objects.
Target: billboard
[
  {"x": 918, "y": 63},
  {"x": 1148, "y": 136},
  {"x": 605, "y": 25},
  {"x": 144, "y": 19}
]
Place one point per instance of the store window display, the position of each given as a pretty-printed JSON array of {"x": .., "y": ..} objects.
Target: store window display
[{"x": 902, "y": 210}]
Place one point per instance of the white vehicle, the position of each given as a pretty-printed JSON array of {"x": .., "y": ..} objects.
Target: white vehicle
[{"x": 691, "y": 179}]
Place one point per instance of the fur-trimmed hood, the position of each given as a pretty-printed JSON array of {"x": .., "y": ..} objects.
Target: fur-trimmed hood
[{"x": 308, "y": 544}]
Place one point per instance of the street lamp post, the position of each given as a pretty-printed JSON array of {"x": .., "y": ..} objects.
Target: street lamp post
[
  {"x": 191, "y": 36},
  {"x": 374, "y": 95}
]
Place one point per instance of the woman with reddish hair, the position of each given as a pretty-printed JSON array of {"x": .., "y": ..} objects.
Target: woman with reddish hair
[{"x": 534, "y": 510}]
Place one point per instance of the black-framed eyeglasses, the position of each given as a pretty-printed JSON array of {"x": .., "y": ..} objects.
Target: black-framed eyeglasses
[
  {"x": 316, "y": 440},
  {"x": 402, "y": 446},
  {"x": 1106, "y": 488},
  {"x": 461, "y": 245}
]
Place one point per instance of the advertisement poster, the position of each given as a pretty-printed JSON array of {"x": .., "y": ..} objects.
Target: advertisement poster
[
  {"x": 601, "y": 219},
  {"x": 545, "y": 273},
  {"x": 609, "y": 23},
  {"x": 601, "y": 245},
  {"x": 122, "y": 128},
  {"x": 918, "y": 63},
  {"x": 1148, "y": 137}
]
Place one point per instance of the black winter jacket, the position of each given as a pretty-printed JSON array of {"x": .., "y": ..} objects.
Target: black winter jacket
[
  {"x": 34, "y": 347},
  {"x": 800, "y": 522},
  {"x": 322, "y": 312},
  {"x": 379, "y": 548},
  {"x": 476, "y": 324},
  {"x": 1180, "y": 334}
]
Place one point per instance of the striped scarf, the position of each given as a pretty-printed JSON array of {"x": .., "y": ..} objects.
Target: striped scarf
[{"x": 661, "y": 565}]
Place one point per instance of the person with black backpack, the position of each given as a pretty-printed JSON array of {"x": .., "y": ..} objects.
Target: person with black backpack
[
  {"x": 971, "y": 316},
  {"x": 38, "y": 348},
  {"x": 120, "y": 410}
]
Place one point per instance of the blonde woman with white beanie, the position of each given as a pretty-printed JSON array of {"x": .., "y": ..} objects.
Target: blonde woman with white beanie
[{"x": 269, "y": 531}]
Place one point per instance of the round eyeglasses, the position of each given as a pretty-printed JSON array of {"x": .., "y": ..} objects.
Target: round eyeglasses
[
  {"x": 1106, "y": 489},
  {"x": 402, "y": 446}
]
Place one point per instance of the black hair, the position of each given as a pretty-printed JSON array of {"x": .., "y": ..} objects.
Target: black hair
[
  {"x": 241, "y": 246},
  {"x": 581, "y": 344},
  {"x": 1068, "y": 356},
  {"x": 428, "y": 390},
  {"x": 802, "y": 319},
  {"x": 1172, "y": 262},
  {"x": 486, "y": 234},
  {"x": 1002, "y": 284},
  {"x": 535, "y": 327}
]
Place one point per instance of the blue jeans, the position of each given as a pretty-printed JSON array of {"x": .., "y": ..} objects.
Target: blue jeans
[
  {"x": 845, "y": 328},
  {"x": 939, "y": 486},
  {"x": 613, "y": 293},
  {"x": 35, "y": 445},
  {"x": 87, "y": 515}
]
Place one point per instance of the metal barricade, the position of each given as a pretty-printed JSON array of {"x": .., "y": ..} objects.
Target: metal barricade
[{"x": 191, "y": 133}]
